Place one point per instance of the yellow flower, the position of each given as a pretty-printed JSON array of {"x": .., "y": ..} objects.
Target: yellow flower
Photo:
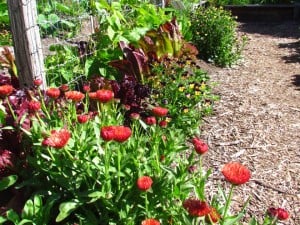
[
  {"x": 186, "y": 110},
  {"x": 181, "y": 89},
  {"x": 197, "y": 93},
  {"x": 191, "y": 86}
]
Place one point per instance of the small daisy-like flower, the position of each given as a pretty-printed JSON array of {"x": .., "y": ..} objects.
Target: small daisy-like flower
[
  {"x": 6, "y": 90},
  {"x": 53, "y": 92},
  {"x": 196, "y": 207},
  {"x": 107, "y": 133},
  {"x": 150, "y": 222},
  {"x": 57, "y": 139},
  {"x": 144, "y": 183},
  {"x": 75, "y": 96},
  {"x": 236, "y": 173}
]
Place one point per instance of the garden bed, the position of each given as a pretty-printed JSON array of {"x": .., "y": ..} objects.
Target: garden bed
[{"x": 265, "y": 13}]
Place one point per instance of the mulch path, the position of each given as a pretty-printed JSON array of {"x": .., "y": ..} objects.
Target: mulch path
[{"x": 257, "y": 120}]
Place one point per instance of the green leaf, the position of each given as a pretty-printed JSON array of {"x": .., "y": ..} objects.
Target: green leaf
[
  {"x": 253, "y": 221},
  {"x": 26, "y": 221},
  {"x": 53, "y": 18},
  {"x": 65, "y": 209},
  {"x": 231, "y": 220},
  {"x": 12, "y": 216},
  {"x": 28, "y": 210},
  {"x": 7, "y": 182},
  {"x": 2, "y": 220}
]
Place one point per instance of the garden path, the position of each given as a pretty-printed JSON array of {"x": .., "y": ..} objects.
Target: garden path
[{"x": 257, "y": 120}]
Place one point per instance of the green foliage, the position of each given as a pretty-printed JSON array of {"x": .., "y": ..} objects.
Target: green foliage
[
  {"x": 247, "y": 2},
  {"x": 214, "y": 34}
]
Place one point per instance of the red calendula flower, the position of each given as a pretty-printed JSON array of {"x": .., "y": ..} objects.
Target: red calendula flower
[
  {"x": 107, "y": 133},
  {"x": 196, "y": 207},
  {"x": 200, "y": 146},
  {"x": 144, "y": 183},
  {"x": 57, "y": 139},
  {"x": 53, "y": 92},
  {"x": 34, "y": 106},
  {"x": 121, "y": 133},
  {"x": 104, "y": 95},
  {"x": 83, "y": 118},
  {"x": 150, "y": 222},
  {"x": 236, "y": 173},
  {"x": 212, "y": 216},
  {"x": 6, "y": 90},
  {"x": 37, "y": 82},
  {"x": 150, "y": 120},
  {"x": 163, "y": 123},
  {"x": 279, "y": 213},
  {"x": 64, "y": 87},
  {"x": 159, "y": 111},
  {"x": 92, "y": 95},
  {"x": 75, "y": 96}
]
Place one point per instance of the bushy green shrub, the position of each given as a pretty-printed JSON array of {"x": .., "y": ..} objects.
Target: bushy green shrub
[{"x": 214, "y": 34}]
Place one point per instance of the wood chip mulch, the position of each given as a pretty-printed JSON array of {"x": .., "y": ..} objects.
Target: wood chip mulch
[{"x": 257, "y": 120}]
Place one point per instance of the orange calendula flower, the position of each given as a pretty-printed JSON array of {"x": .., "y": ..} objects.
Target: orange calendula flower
[
  {"x": 196, "y": 207},
  {"x": 150, "y": 222},
  {"x": 57, "y": 139},
  {"x": 104, "y": 95},
  {"x": 75, "y": 96},
  {"x": 279, "y": 213},
  {"x": 34, "y": 106},
  {"x": 236, "y": 173},
  {"x": 213, "y": 216},
  {"x": 6, "y": 90},
  {"x": 144, "y": 183},
  {"x": 53, "y": 92},
  {"x": 200, "y": 146},
  {"x": 159, "y": 111}
]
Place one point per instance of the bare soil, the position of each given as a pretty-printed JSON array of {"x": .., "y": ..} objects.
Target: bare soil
[{"x": 257, "y": 120}]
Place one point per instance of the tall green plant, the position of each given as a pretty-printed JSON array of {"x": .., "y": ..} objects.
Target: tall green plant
[{"x": 214, "y": 34}]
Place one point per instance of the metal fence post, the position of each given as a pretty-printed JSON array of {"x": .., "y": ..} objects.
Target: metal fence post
[{"x": 27, "y": 42}]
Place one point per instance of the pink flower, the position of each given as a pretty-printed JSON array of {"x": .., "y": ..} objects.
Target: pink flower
[
  {"x": 163, "y": 123},
  {"x": 150, "y": 222},
  {"x": 196, "y": 207},
  {"x": 200, "y": 146},
  {"x": 6, "y": 159},
  {"x": 93, "y": 95},
  {"x": 37, "y": 82},
  {"x": 279, "y": 213},
  {"x": 53, "y": 92},
  {"x": 64, "y": 87},
  {"x": 144, "y": 183},
  {"x": 6, "y": 90},
  {"x": 86, "y": 88},
  {"x": 75, "y": 96},
  {"x": 159, "y": 111},
  {"x": 57, "y": 139},
  {"x": 104, "y": 95},
  {"x": 236, "y": 173}
]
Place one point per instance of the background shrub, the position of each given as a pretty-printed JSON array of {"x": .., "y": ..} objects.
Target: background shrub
[{"x": 214, "y": 34}]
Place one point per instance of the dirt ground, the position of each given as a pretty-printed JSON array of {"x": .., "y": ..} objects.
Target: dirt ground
[{"x": 257, "y": 120}]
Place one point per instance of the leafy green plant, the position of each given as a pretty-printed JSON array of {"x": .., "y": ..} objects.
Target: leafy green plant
[{"x": 214, "y": 34}]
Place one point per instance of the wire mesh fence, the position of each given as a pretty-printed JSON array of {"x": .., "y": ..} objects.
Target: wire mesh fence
[{"x": 66, "y": 27}]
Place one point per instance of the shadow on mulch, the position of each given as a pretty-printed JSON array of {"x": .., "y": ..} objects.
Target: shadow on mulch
[
  {"x": 279, "y": 29},
  {"x": 295, "y": 57},
  {"x": 296, "y": 81}
]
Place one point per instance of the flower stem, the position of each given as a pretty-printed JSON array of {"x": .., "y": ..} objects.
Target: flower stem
[
  {"x": 228, "y": 200},
  {"x": 11, "y": 109},
  {"x": 119, "y": 169}
]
